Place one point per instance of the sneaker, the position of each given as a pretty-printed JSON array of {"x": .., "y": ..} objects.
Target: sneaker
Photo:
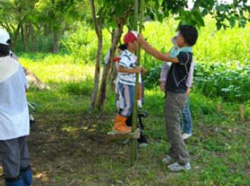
[
  {"x": 186, "y": 136},
  {"x": 142, "y": 145},
  {"x": 177, "y": 167},
  {"x": 142, "y": 113},
  {"x": 126, "y": 141},
  {"x": 143, "y": 142},
  {"x": 167, "y": 160}
]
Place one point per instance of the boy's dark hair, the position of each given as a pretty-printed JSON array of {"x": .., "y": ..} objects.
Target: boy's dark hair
[
  {"x": 189, "y": 33},
  {"x": 123, "y": 47},
  {"x": 4, "y": 50}
]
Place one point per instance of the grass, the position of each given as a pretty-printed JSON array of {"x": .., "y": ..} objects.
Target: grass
[{"x": 70, "y": 147}]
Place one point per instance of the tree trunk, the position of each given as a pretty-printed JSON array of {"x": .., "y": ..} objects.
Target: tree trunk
[
  {"x": 98, "y": 30},
  {"x": 56, "y": 41},
  {"x": 25, "y": 37},
  {"x": 33, "y": 38},
  {"x": 113, "y": 68},
  {"x": 46, "y": 30},
  {"x": 17, "y": 31},
  {"x": 107, "y": 67}
]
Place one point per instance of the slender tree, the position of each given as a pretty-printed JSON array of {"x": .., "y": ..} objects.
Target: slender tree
[{"x": 98, "y": 30}]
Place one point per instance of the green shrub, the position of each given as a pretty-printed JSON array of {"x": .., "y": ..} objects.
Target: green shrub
[
  {"x": 151, "y": 79},
  {"x": 229, "y": 81}
]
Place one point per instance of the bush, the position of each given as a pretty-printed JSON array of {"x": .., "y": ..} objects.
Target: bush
[
  {"x": 152, "y": 77},
  {"x": 229, "y": 81}
]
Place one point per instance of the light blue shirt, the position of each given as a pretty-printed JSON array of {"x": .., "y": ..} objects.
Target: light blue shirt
[{"x": 14, "y": 113}]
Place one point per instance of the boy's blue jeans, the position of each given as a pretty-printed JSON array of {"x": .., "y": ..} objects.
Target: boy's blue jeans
[
  {"x": 127, "y": 99},
  {"x": 186, "y": 118}
]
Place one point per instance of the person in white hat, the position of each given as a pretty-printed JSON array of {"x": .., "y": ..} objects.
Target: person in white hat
[{"x": 14, "y": 118}]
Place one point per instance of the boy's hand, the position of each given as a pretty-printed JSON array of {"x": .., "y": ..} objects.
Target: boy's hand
[
  {"x": 140, "y": 39},
  {"x": 143, "y": 70},
  {"x": 163, "y": 84},
  {"x": 188, "y": 91},
  {"x": 137, "y": 69}
]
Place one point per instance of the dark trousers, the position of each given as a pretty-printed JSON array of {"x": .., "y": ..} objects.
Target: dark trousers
[
  {"x": 174, "y": 105},
  {"x": 14, "y": 155}
]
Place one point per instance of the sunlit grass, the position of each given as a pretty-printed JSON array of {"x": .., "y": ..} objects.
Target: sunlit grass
[{"x": 59, "y": 68}]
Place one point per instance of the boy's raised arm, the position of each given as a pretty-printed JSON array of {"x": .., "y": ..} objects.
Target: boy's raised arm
[{"x": 155, "y": 53}]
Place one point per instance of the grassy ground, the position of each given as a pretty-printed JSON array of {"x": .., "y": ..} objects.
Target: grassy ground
[{"x": 69, "y": 147}]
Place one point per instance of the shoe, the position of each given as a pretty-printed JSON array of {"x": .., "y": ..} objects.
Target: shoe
[
  {"x": 142, "y": 114},
  {"x": 186, "y": 136},
  {"x": 120, "y": 125},
  {"x": 167, "y": 160},
  {"x": 177, "y": 167},
  {"x": 32, "y": 120},
  {"x": 143, "y": 142},
  {"x": 15, "y": 183},
  {"x": 143, "y": 145}
]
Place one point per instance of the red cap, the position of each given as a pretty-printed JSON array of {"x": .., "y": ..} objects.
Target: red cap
[{"x": 129, "y": 37}]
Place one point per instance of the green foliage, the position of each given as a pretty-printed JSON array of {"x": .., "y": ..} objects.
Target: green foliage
[
  {"x": 193, "y": 17},
  {"x": 81, "y": 43},
  {"x": 226, "y": 15},
  {"x": 32, "y": 20},
  {"x": 152, "y": 77},
  {"x": 58, "y": 12},
  {"x": 229, "y": 81},
  {"x": 229, "y": 14}
]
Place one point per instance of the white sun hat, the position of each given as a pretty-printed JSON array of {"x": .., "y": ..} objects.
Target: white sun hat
[{"x": 8, "y": 66}]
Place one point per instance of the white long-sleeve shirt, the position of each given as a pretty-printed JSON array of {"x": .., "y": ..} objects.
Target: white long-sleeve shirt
[{"x": 14, "y": 112}]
